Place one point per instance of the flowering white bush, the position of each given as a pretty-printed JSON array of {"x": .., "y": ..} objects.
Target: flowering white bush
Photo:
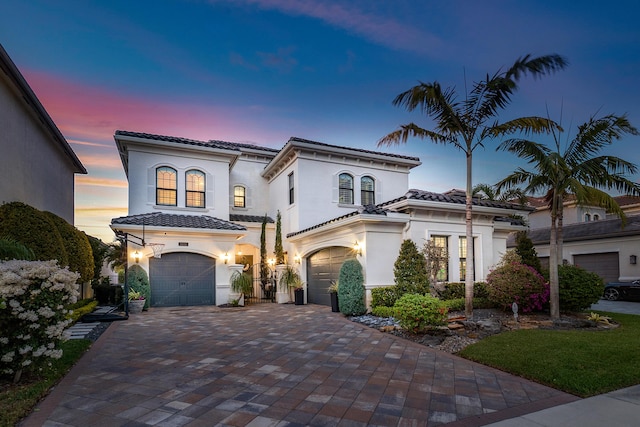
[{"x": 32, "y": 315}]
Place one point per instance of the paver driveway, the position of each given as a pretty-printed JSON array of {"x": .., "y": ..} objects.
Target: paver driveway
[{"x": 269, "y": 365}]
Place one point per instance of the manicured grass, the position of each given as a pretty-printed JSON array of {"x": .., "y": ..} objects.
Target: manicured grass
[
  {"x": 583, "y": 363},
  {"x": 18, "y": 400}
]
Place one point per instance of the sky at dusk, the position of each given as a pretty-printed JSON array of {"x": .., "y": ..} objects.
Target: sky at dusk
[{"x": 261, "y": 71}]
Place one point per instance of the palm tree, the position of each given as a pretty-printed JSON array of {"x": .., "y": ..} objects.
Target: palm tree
[
  {"x": 578, "y": 170},
  {"x": 467, "y": 123},
  {"x": 491, "y": 192}
]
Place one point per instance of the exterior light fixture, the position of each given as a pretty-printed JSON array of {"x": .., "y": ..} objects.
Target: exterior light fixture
[
  {"x": 136, "y": 256},
  {"x": 633, "y": 259},
  {"x": 225, "y": 257},
  {"x": 357, "y": 248},
  {"x": 271, "y": 262},
  {"x": 297, "y": 259}
]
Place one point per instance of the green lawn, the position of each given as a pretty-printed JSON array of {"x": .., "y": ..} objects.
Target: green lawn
[
  {"x": 583, "y": 363},
  {"x": 18, "y": 400}
]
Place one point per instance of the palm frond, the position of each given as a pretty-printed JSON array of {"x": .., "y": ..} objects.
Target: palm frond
[
  {"x": 537, "y": 67},
  {"x": 402, "y": 135},
  {"x": 597, "y": 133},
  {"x": 525, "y": 125}
]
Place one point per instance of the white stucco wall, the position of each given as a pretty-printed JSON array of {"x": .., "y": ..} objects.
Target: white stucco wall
[
  {"x": 143, "y": 162},
  {"x": 33, "y": 168},
  {"x": 246, "y": 172}
]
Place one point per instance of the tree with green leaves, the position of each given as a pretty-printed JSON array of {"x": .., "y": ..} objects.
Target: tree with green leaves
[
  {"x": 526, "y": 250},
  {"x": 490, "y": 192},
  {"x": 410, "y": 270},
  {"x": 577, "y": 169},
  {"x": 279, "y": 251},
  {"x": 468, "y": 123}
]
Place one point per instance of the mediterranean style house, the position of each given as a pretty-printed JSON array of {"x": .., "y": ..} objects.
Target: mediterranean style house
[
  {"x": 196, "y": 211},
  {"x": 37, "y": 165}
]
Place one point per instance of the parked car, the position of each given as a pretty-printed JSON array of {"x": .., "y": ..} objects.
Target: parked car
[{"x": 622, "y": 290}]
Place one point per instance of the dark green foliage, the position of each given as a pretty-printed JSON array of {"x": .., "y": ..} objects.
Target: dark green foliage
[
  {"x": 351, "y": 290},
  {"x": 409, "y": 270},
  {"x": 454, "y": 290},
  {"x": 578, "y": 288},
  {"x": 77, "y": 246},
  {"x": 138, "y": 281},
  {"x": 382, "y": 311},
  {"x": 385, "y": 296},
  {"x": 526, "y": 250},
  {"x": 278, "y": 248},
  {"x": 100, "y": 251},
  {"x": 264, "y": 267},
  {"x": 33, "y": 229},
  {"x": 242, "y": 283},
  {"x": 417, "y": 313},
  {"x": 10, "y": 249},
  {"x": 457, "y": 304}
]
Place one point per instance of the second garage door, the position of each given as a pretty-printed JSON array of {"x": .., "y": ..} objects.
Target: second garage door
[
  {"x": 323, "y": 267},
  {"x": 182, "y": 278},
  {"x": 606, "y": 265}
]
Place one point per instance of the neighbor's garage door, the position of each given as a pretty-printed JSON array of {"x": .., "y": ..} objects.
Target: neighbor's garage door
[
  {"x": 323, "y": 267},
  {"x": 606, "y": 265},
  {"x": 182, "y": 278}
]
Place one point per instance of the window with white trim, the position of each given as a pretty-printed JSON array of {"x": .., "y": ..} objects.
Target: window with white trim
[
  {"x": 166, "y": 186},
  {"x": 239, "y": 197},
  {"x": 291, "y": 189},
  {"x": 367, "y": 191},
  {"x": 442, "y": 242},
  {"x": 345, "y": 189},
  {"x": 195, "y": 189}
]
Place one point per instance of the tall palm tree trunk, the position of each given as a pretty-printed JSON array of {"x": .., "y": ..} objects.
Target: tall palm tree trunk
[
  {"x": 468, "y": 280},
  {"x": 554, "y": 288}
]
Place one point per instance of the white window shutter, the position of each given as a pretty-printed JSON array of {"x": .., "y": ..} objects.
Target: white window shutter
[
  {"x": 151, "y": 185},
  {"x": 335, "y": 191},
  {"x": 248, "y": 199}
]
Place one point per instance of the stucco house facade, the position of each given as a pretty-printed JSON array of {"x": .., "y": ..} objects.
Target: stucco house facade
[
  {"x": 205, "y": 201},
  {"x": 37, "y": 165}
]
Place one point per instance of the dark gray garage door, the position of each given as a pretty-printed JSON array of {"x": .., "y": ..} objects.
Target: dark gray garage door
[
  {"x": 323, "y": 267},
  {"x": 182, "y": 278},
  {"x": 606, "y": 265}
]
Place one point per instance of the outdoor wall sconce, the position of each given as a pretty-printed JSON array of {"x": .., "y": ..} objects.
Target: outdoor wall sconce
[
  {"x": 225, "y": 257},
  {"x": 357, "y": 248},
  {"x": 271, "y": 262},
  {"x": 633, "y": 259},
  {"x": 297, "y": 259},
  {"x": 136, "y": 256}
]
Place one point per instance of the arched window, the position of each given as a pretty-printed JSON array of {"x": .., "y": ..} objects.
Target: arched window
[
  {"x": 166, "y": 186},
  {"x": 596, "y": 217},
  {"x": 587, "y": 217},
  {"x": 239, "y": 197},
  {"x": 345, "y": 189},
  {"x": 195, "y": 184},
  {"x": 367, "y": 191}
]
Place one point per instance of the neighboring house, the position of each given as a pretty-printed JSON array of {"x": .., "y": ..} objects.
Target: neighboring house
[
  {"x": 593, "y": 238},
  {"x": 604, "y": 247},
  {"x": 37, "y": 165},
  {"x": 201, "y": 203}
]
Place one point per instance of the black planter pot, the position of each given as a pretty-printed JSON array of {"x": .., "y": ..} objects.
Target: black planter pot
[
  {"x": 299, "y": 296},
  {"x": 334, "y": 302}
]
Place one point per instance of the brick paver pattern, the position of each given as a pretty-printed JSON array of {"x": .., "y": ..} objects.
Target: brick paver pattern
[{"x": 277, "y": 365}]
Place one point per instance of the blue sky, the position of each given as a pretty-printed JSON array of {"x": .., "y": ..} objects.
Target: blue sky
[{"x": 262, "y": 71}]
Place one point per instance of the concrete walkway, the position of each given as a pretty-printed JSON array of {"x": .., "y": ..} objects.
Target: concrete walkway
[{"x": 277, "y": 365}]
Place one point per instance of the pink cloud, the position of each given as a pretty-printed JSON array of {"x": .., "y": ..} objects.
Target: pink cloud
[{"x": 86, "y": 180}]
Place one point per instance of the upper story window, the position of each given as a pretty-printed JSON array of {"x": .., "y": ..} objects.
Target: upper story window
[
  {"x": 166, "y": 186},
  {"x": 239, "y": 197},
  {"x": 367, "y": 191},
  {"x": 345, "y": 189},
  {"x": 291, "y": 188},
  {"x": 195, "y": 184}
]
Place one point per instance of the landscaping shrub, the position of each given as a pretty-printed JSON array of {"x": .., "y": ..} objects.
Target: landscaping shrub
[
  {"x": 351, "y": 290},
  {"x": 384, "y": 297},
  {"x": 33, "y": 296},
  {"x": 454, "y": 290},
  {"x": 11, "y": 249},
  {"x": 416, "y": 313},
  {"x": 520, "y": 283},
  {"x": 32, "y": 228},
  {"x": 457, "y": 304},
  {"x": 382, "y": 311},
  {"x": 76, "y": 245},
  {"x": 578, "y": 288},
  {"x": 409, "y": 270},
  {"x": 526, "y": 251},
  {"x": 75, "y": 313},
  {"x": 138, "y": 281}
]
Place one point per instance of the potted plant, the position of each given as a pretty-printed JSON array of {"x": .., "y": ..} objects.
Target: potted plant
[
  {"x": 290, "y": 279},
  {"x": 136, "y": 302},
  {"x": 333, "y": 293},
  {"x": 241, "y": 284}
]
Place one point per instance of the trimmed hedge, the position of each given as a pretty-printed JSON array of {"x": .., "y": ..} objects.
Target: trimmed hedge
[
  {"x": 139, "y": 282},
  {"x": 578, "y": 288},
  {"x": 351, "y": 291},
  {"x": 454, "y": 290},
  {"x": 385, "y": 296},
  {"x": 410, "y": 270},
  {"x": 417, "y": 313},
  {"x": 382, "y": 311},
  {"x": 77, "y": 247}
]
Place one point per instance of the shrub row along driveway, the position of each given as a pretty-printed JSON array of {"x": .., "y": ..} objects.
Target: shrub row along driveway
[{"x": 277, "y": 364}]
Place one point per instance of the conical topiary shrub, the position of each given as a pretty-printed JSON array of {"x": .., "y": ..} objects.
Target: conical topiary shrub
[
  {"x": 139, "y": 282},
  {"x": 351, "y": 290}
]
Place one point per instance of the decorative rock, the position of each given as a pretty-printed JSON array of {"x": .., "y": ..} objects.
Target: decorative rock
[
  {"x": 490, "y": 326},
  {"x": 455, "y": 326}
]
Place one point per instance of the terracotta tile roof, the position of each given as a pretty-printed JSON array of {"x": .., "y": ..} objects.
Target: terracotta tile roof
[
  {"x": 455, "y": 198},
  {"x": 249, "y": 218},
  {"x": 161, "y": 219},
  {"x": 627, "y": 200},
  {"x": 211, "y": 143},
  {"x": 367, "y": 210}
]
